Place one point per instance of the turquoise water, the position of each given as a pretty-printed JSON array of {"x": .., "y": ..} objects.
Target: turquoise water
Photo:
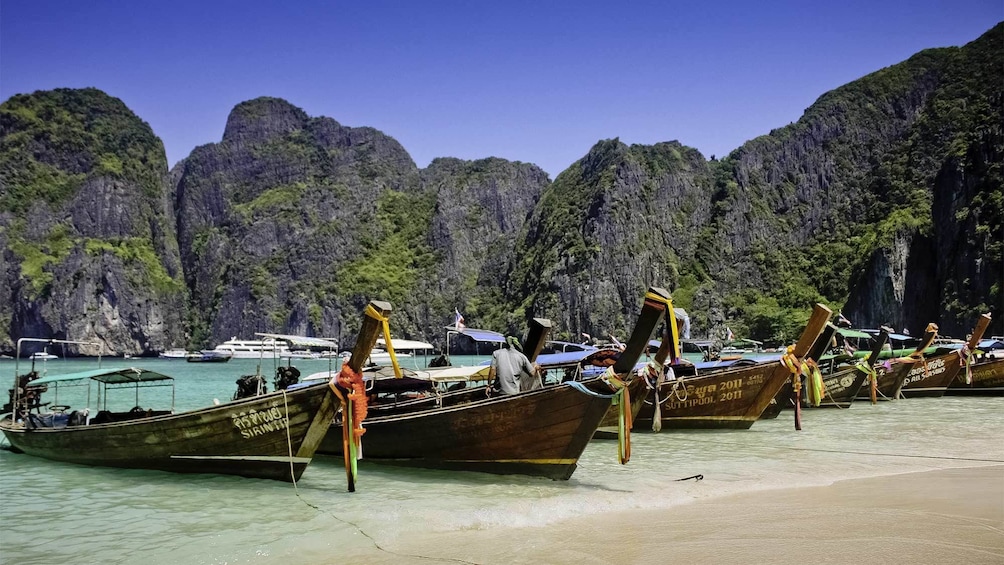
[{"x": 54, "y": 512}]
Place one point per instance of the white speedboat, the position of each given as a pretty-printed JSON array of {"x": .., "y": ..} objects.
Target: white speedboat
[
  {"x": 253, "y": 349},
  {"x": 173, "y": 354},
  {"x": 42, "y": 355}
]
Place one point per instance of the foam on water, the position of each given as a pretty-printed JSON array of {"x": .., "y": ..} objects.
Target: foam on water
[{"x": 54, "y": 512}]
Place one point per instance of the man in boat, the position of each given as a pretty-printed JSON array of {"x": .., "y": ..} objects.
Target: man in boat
[{"x": 511, "y": 372}]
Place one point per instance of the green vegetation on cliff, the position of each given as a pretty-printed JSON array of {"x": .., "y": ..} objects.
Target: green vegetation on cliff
[{"x": 52, "y": 141}]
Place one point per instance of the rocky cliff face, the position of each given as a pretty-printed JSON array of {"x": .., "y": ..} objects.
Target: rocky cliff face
[
  {"x": 291, "y": 224},
  {"x": 885, "y": 199},
  {"x": 619, "y": 220},
  {"x": 86, "y": 227},
  {"x": 269, "y": 217},
  {"x": 877, "y": 196},
  {"x": 480, "y": 208}
]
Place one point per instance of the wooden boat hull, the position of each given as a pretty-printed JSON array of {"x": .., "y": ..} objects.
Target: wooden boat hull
[
  {"x": 889, "y": 381},
  {"x": 726, "y": 399},
  {"x": 842, "y": 387},
  {"x": 931, "y": 377},
  {"x": 246, "y": 437},
  {"x": 987, "y": 377},
  {"x": 608, "y": 428},
  {"x": 538, "y": 433}
]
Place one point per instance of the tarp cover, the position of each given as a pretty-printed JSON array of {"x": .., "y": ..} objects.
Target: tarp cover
[{"x": 107, "y": 376}]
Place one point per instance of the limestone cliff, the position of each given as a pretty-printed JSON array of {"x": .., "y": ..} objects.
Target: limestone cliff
[{"x": 86, "y": 227}]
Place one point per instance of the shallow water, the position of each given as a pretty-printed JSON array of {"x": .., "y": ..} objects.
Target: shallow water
[{"x": 54, "y": 512}]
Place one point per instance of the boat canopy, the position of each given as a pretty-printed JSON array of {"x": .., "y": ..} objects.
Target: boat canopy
[
  {"x": 681, "y": 315},
  {"x": 854, "y": 334},
  {"x": 988, "y": 344},
  {"x": 567, "y": 346},
  {"x": 301, "y": 341},
  {"x": 554, "y": 360},
  {"x": 744, "y": 341},
  {"x": 897, "y": 337},
  {"x": 454, "y": 374},
  {"x": 106, "y": 376},
  {"x": 479, "y": 335},
  {"x": 403, "y": 344}
]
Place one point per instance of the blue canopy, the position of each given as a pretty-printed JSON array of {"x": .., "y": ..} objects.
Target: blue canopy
[
  {"x": 988, "y": 344},
  {"x": 558, "y": 359}
]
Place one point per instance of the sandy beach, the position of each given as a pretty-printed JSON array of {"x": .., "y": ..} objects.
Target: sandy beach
[{"x": 944, "y": 516}]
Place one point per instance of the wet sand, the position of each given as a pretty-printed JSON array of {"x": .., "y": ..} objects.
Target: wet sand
[{"x": 944, "y": 516}]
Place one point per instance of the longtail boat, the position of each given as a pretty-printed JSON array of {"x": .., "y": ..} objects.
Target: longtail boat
[
  {"x": 890, "y": 375},
  {"x": 986, "y": 375},
  {"x": 273, "y": 436},
  {"x": 540, "y": 432},
  {"x": 731, "y": 398},
  {"x": 930, "y": 377},
  {"x": 842, "y": 375}
]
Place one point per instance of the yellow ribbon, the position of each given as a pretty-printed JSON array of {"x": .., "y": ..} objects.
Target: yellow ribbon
[
  {"x": 814, "y": 380},
  {"x": 622, "y": 400},
  {"x": 385, "y": 322},
  {"x": 794, "y": 366}
]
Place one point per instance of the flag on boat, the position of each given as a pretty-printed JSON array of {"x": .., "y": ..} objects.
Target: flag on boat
[
  {"x": 458, "y": 319},
  {"x": 729, "y": 336}
]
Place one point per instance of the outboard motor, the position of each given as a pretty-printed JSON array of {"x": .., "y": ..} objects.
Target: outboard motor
[
  {"x": 286, "y": 376},
  {"x": 249, "y": 386},
  {"x": 441, "y": 361}
]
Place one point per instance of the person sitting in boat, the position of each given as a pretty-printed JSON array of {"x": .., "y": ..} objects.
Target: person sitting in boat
[{"x": 511, "y": 372}]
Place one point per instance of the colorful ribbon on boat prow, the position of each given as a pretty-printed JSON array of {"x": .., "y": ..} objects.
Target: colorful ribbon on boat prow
[
  {"x": 965, "y": 360},
  {"x": 622, "y": 400},
  {"x": 792, "y": 362},
  {"x": 814, "y": 381},
  {"x": 353, "y": 413},
  {"x": 872, "y": 374}
]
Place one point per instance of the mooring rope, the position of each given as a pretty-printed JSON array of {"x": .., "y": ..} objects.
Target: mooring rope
[
  {"x": 289, "y": 443},
  {"x": 375, "y": 543}
]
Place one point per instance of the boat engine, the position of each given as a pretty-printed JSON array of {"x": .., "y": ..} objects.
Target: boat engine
[
  {"x": 250, "y": 385},
  {"x": 286, "y": 376}
]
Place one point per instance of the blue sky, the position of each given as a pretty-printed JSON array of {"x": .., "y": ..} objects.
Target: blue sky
[{"x": 537, "y": 82}]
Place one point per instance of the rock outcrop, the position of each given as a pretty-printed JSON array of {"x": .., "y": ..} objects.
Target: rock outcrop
[{"x": 86, "y": 226}]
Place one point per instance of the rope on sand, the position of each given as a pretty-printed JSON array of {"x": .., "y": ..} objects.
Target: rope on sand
[{"x": 377, "y": 545}]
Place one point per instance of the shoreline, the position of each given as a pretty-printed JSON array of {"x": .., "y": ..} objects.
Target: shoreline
[{"x": 951, "y": 515}]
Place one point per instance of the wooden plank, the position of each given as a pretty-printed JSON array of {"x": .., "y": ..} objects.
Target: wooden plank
[
  {"x": 817, "y": 321},
  {"x": 370, "y": 331},
  {"x": 880, "y": 341},
  {"x": 540, "y": 328},
  {"x": 981, "y": 328},
  {"x": 652, "y": 310},
  {"x": 822, "y": 342}
]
